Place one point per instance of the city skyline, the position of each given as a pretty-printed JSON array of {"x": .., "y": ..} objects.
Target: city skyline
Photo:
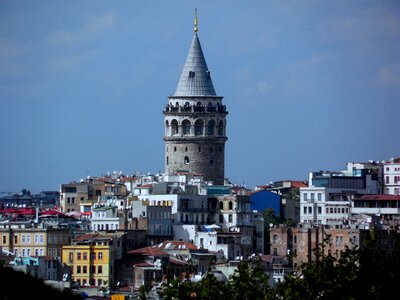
[{"x": 309, "y": 86}]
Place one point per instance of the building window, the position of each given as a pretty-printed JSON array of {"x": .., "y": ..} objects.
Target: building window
[
  {"x": 78, "y": 269},
  {"x": 210, "y": 127},
  {"x": 100, "y": 269},
  {"x": 186, "y": 160},
  {"x": 319, "y": 210},
  {"x": 230, "y": 205},
  {"x": 174, "y": 149},
  {"x": 319, "y": 196},
  {"x": 16, "y": 239},
  {"x": 305, "y": 210},
  {"x": 93, "y": 269},
  {"x": 305, "y": 196},
  {"x": 100, "y": 255},
  {"x": 186, "y": 127},
  {"x": 230, "y": 217},
  {"x": 211, "y": 149},
  {"x": 79, "y": 256},
  {"x": 4, "y": 239},
  {"x": 310, "y": 210},
  {"x": 84, "y": 256},
  {"x": 199, "y": 149},
  {"x": 211, "y": 162},
  {"x": 174, "y": 127},
  {"x": 41, "y": 240},
  {"x": 387, "y": 179},
  {"x": 198, "y": 127},
  {"x": 221, "y": 205},
  {"x": 312, "y": 196},
  {"x": 84, "y": 269}
]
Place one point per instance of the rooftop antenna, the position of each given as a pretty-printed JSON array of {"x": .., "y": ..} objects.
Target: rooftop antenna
[{"x": 195, "y": 20}]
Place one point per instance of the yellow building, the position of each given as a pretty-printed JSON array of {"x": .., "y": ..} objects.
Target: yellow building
[
  {"x": 30, "y": 239},
  {"x": 92, "y": 258}
]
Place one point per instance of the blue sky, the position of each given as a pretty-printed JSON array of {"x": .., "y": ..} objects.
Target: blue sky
[{"x": 309, "y": 85}]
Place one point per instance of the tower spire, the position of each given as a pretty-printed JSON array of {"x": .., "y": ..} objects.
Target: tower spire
[{"x": 195, "y": 20}]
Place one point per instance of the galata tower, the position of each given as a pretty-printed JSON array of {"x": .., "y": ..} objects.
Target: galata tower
[{"x": 195, "y": 121}]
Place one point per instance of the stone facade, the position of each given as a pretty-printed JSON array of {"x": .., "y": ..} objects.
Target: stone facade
[{"x": 303, "y": 243}]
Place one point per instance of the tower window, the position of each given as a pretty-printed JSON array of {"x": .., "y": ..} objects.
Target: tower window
[
  {"x": 211, "y": 149},
  {"x": 174, "y": 149},
  {"x": 186, "y": 127},
  {"x": 199, "y": 149},
  {"x": 220, "y": 128},
  {"x": 210, "y": 127},
  {"x": 211, "y": 162},
  {"x": 198, "y": 127},
  {"x": 186, "y": 160},
  {"x": 186, "y": 149},
  {"x": 167, "y": 160},
  {"x": 174, "y": 127}
]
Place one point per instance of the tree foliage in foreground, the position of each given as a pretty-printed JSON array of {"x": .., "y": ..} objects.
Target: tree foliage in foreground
[{"x": 358, "y": 274}]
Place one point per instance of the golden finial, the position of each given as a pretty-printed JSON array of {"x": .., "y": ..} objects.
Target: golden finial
[{"x": 195, "y": 20}]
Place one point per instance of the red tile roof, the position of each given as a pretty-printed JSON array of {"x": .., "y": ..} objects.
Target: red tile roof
[
  {"x": 143, "y": 264},
  {"x": 148, "y": 251},
  {"x": 379, "y": 197},
  {"x": 176, "y": 245}
]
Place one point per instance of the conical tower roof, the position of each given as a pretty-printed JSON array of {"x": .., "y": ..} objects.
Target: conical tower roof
[{"x": 195, "y": 78}]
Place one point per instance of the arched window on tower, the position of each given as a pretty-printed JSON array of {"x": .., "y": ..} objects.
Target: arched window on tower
[
  {"x": 167, "y": 129},
  {"x": 186, "y": 127},
  {"x": 221, "y": 128},
  {"x": 167, "y": 160},
  {"x": 186, "y": 160},
  {"x": 230, "y": 205},
  {"x": 211, "y": 127},
  {"x": 198, "y": 127},
  {"x": 221, "y": 205},
  {"x": 174, "y": 127}
]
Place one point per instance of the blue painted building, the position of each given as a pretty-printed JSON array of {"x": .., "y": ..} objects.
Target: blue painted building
[{"x": 261, "y": 200}]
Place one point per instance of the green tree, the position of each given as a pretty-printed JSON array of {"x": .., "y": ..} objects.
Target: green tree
[
  {"x": 250, "y": 282},
  {"x": 367, "y": 273}
]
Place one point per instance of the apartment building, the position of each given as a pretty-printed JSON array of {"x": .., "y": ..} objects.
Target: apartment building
[
  {"x": 327, "y": 198},
  {"x": 30, "y": 239},
  {"x": 92, "y": 258}
]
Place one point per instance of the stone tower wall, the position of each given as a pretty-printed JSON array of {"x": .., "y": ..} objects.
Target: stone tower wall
[{"x": 204, "y": 157}]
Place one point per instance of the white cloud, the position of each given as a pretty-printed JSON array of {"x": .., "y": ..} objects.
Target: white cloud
[
  {"x": 71, "y": 62},
  {"x": 388, "y": 76},
  {"x": 264, "y": 86},
  {"x": 365, "y": 26},
  {"x": 93, "y": 27}
]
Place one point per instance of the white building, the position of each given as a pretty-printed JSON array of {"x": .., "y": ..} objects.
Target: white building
[
  {"x": 391, "y": 175},
  {"x": 105, "y": 217},
  {"x": 327, "y": 199}
]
